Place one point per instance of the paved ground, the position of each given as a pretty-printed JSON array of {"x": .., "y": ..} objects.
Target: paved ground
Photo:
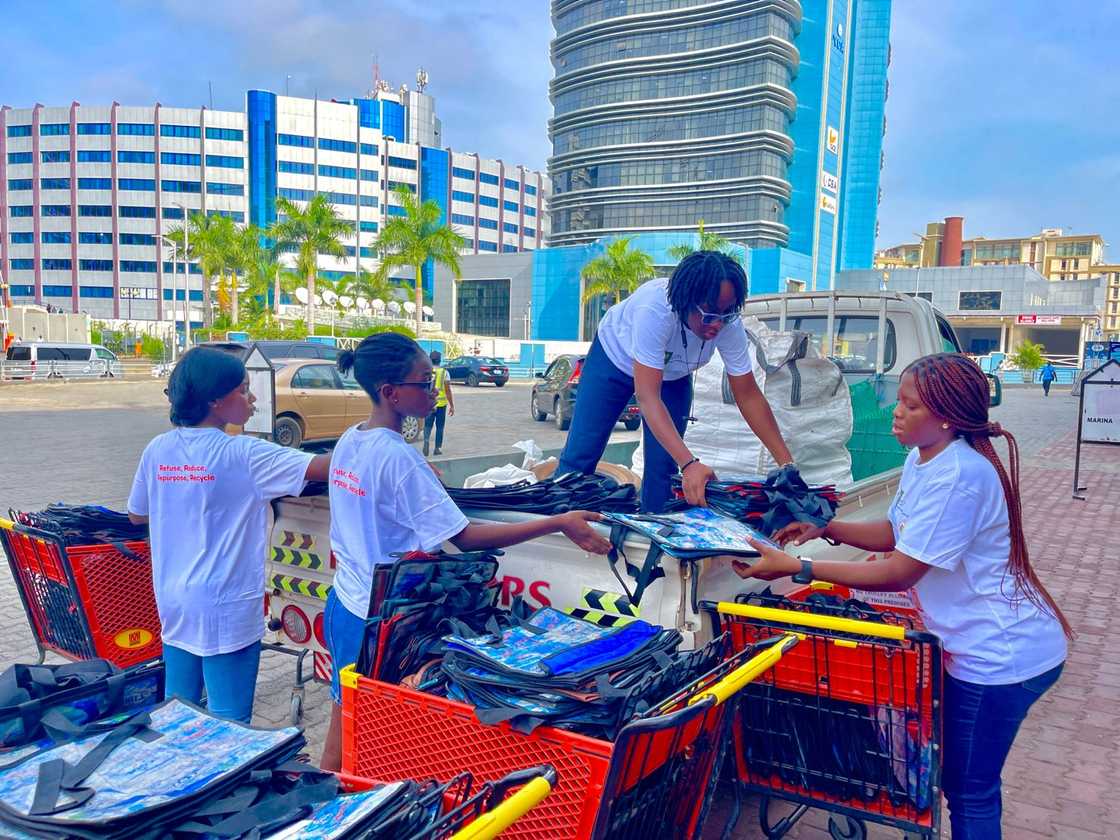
[{"x": 1059, "y": 779}]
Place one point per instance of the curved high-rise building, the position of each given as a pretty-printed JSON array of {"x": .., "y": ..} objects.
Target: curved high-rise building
[{"x": 666, "y": 112}]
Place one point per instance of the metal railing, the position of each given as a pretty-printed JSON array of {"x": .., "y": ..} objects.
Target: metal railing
[{"x": 12, "y": 371}]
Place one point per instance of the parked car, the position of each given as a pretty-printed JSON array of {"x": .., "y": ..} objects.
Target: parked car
[
  {"x": 554, "y": 393},
  {"x": 53, "y": 359},
  {"x": 474, "y": 370},
  {"x": 279, "y": 349},
  {"x": 315, "y": 403}
]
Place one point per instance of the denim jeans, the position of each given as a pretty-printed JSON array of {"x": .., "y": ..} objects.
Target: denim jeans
[
  {"x": 437, "y": 418},
  {"x": 603, "y": 393},
  {"x": 981, "y": 722},
  {"x": 230, "y": 679}
]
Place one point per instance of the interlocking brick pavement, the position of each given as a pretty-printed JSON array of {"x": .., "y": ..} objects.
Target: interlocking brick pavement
[{"x": 1059, "y": 778}]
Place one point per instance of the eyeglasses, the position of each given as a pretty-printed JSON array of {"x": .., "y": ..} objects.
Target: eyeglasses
[
  {"x": 426, "y": 384},
  {"x": 708, "y": 318}
]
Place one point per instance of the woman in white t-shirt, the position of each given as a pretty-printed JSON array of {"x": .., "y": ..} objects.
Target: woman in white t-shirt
[
  {"x": 205, "y": 497},
  {"x": 650, "y": 344},
  {"x": 954, "y": 538},
  {"x": 386, "y": 499}
]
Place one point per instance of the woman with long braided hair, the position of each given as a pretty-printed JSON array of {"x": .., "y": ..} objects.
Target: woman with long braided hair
[
  {"x": 650, "y": 344},
  {"x": 954, "y": 538}
]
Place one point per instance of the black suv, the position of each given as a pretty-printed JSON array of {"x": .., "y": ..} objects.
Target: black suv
[
  {"x": 474, "y": 370},
  {"x": 279, "y": 349},
  {"x": 554, "y": 393}
]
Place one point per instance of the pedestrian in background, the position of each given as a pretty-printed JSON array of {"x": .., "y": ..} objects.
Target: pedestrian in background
[
  {"x": 445, "y": 404},
  {"x": 1048, "y": 377}
]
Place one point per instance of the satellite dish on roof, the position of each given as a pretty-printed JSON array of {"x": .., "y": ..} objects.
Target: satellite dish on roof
[
  {"x": 410, "y": 307},
  {"x": 330, "y": 297},
  {"x": 301, "y": 295},
  {"x": 318, "y": 299},
  {"x": 429, "y": 311},
  {"x": 394, "y": 307},
  {"x": 377, "y": 305},
  {"x": 346, "y": 301},
  {"x": 361, "y": 302}
]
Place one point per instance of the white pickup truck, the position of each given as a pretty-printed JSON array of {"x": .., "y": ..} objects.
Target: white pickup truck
[{"x": 850, "y": 329}]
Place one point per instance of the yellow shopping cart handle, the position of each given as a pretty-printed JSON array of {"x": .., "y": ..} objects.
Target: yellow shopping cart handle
[
  {"x": 746, "y": 673},
  {"x": 815, "y": 620},
  {"x": 489, "y": 825}
]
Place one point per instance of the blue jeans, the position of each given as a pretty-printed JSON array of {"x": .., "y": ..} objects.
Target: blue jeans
[
  {"x": 344, "y": 633},
  {"x": 230, "y": 679},
  {"x": 604, "y": 391},
  {"x": 981, "y": 722}
]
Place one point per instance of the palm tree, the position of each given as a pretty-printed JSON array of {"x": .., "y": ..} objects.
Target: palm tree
[
  {"x": 313, "y": 230},
  {"x": 708, "y": 241},
  {"x": 409, "y": 241},
  {"x": 620, "y": 269},
  {"x": 207, "y": 237},
  {"x": 367, "y": 284},
  {"x": 259, "y": 260}
]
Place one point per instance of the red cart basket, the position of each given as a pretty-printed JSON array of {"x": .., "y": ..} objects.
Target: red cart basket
[
  {"x": 849, "y": 721},
  {"x": 655, "y": 780},
  {"x": 87, "y": 601}
]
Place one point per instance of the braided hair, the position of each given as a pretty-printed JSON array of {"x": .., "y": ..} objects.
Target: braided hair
[
  {"x": 380, "y": 359},
  {"x": 697, "y": 279},
  {"x": 955, "y": 390}
]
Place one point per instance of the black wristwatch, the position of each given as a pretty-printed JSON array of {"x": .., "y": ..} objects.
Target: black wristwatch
[{"x": 806, "y": 573}]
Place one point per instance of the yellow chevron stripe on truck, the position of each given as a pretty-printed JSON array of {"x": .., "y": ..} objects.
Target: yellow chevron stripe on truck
[
  {"x": 299, "y": 586},
  {"x": 297, "y": 558}
]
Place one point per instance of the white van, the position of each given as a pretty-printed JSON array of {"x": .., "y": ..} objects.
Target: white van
[{"x": 58, "y": 360}]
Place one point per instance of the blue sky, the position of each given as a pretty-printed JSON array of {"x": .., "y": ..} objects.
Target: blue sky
[{"x": 1005, "y": 113}]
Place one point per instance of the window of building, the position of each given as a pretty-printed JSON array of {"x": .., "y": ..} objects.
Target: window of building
[
  {"x": 20, "y": 184},
  {"x": 462, "y": 219},
  {"x": 55, "y": 210},
  {"x": 511, "y": 206},
  {"x": 338, "y": 172},
  {"x": 55, "y": 156},
  {"x": 530, "y": 232},
  {"x": 456, "y": 195},
  {"x": 483, "y": 245},
  {"x": 337, "y": 145},
  {"x": 95, "y": 183},
  {"x": 294, "y": 168},
  {"x": 172, "y": 213},
  {"x": 138, "y": 266},
  {"x": 236, "y": 215},
  {"x": 465, "y": 174},
  {"x": 136, "y": 129},
  {"x": 483, "y": 306},
  {"x": 530, "y": 190},
  {"x": 368, "y": 201},
  {"x": 95, "y": 128},
  {"x": 403, "y": 163},
  {"x": 90, "y": 237},
  {"x": 57, "y": 264},
  {"x": 128, "y": 156},
  {"x": 923, "y": 295},
  {"x": 133, "y": 212},
  {"x": 410, "y": 187},
  {"x": 368, "y": 227},
  {"x": 180, "y": 158},
  {"x": 487, "y": 201},
  {"x": 180, "y": 131},
  {"x": 488, "y": 224},
  {"x": 95, "y": 210},
  {"x": 54, "y": 183},
  {"x": 95, "y": 156},
  {"x": 509, "y": 228},
  {"x": 23, "y": 264},
  {"x": 487, "y": 178},
  {"x": 368, "y": 149},
  {"x": 137, "y": 239},
  {"x": 295, "y": 195},
  {"x": 20, "y": 211},
  {"x": 530, "y": 211},
  {"x": 512, "y": 184},
  {"x": 54, "y": 129},
  {"x": 23, "y": 237},
  {"x": 397, "y": 211},
  {"x": 138, "y": 184},
  {"x": 225, "y": 134},
  {"x": 180, "y": 186},
  {"x": 300, "y": 140},
  {"x": 220, "y": 188},
  {"x": 19, "y": 157},
  {"x": 55, "y": 237},
  {"x": 979, "y": 301},
  {"x": 369, "y": 175},
  {"x": 96, "y": 265},
  {"x": 96, "y": 291},
  {"x": 509, "y": 249},
  {"x": 19, "y": 131},
  {"x": 57, "y": 291}
]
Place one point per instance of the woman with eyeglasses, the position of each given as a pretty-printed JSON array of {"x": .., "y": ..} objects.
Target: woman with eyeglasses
[
  {"x": 386, "y": 500},
  {"x": 650, "y": 344}
]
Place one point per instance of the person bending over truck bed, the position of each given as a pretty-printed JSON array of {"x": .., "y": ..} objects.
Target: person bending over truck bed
[
  {"x": 954, "y": 538},
  {"x": 386, "y": 499},
  {"x": 650, "y": 345}
]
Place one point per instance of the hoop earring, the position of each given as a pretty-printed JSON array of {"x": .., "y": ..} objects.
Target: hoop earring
[{"x": 945, "y": 426}]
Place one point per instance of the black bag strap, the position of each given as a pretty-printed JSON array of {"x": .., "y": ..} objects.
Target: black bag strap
[
  {"x": 649, "y": 571},
  {"x": 254, "y": 808}
]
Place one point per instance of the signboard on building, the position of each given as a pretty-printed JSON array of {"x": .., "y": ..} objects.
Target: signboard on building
[
  {"x": 828, "y": 204},
  {"x": 833, "y": 140},
  {"x": 830, "y": 182},
  {"x": 1039, "y": 320}
]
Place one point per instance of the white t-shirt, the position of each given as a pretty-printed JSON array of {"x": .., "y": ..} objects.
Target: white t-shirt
[
  {"x": 644, "y": 329},
  {"x": 950, "y": 513},
  {"x": 385, "y": 499},
  {"x": 206, "y": 494}
]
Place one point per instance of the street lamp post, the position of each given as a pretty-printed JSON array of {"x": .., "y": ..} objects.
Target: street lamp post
[
  {"x": 186, "y": 278},
  {"x": 174, "y": 298}
]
